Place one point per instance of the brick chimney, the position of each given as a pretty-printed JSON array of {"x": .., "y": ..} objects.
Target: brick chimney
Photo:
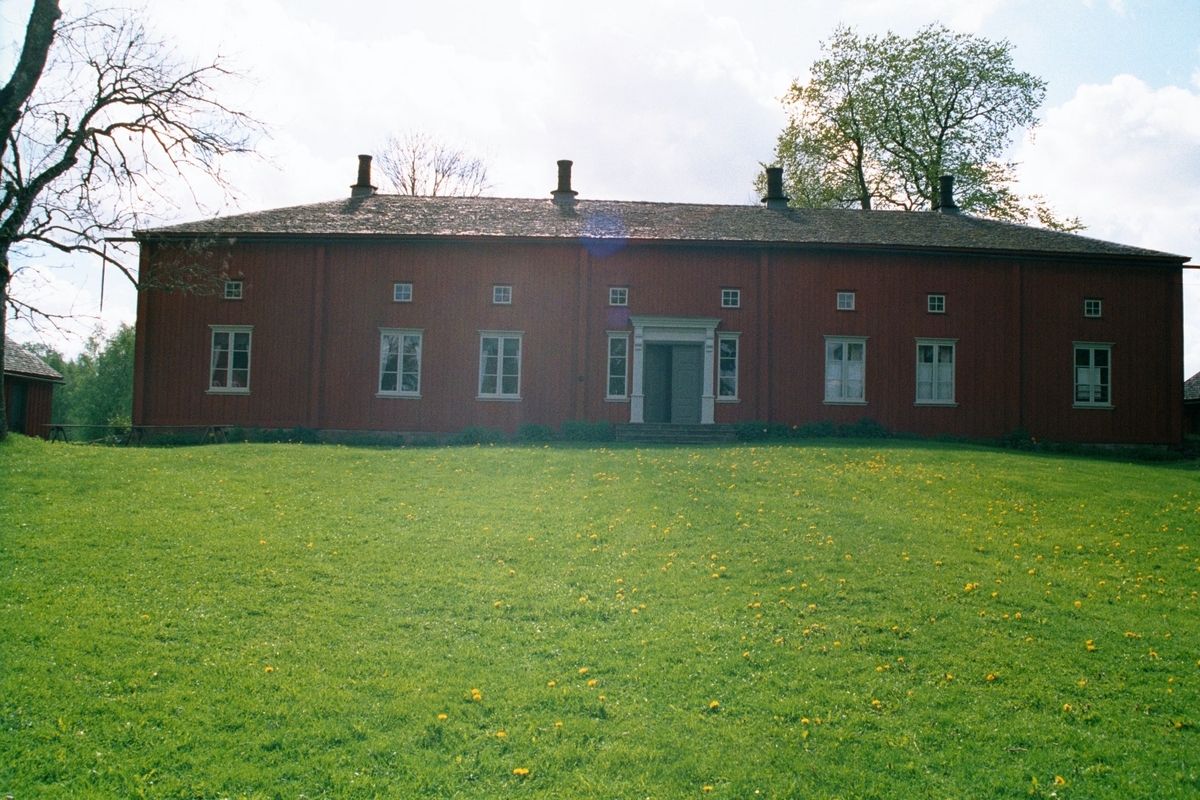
[
  {"x": 775, "y": 199},
  {"x": 946, "y": 195},
  {"x": 564, "y": 194},
  {"x": 363, "y": 188}
]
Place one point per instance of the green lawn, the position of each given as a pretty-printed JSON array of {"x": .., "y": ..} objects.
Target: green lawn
[{"x": 830, "y": 620}]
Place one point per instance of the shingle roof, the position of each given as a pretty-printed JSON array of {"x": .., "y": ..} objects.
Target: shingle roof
[
  {"x": 1191, "y": 388},
  {"x": 398, "y": 215},
  {"x": 19, "y": 361}
]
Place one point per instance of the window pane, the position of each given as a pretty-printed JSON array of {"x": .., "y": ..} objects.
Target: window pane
[
  {"x": 387, "y": 382},
  {"x": 616, "y": 347},
  {"x": 854, "y": 390},
  {"x": 946, "y": 354},
  {"x": 488, "y": 384},
  {"x": 1083, "y": 357},
  {"x": 491, "y": 346},
  {"x": 925, "y": 353},
  {"x": 509, "y": 384},
  {"x": 241, "y": 359},
  {"x": 1100, "y": 357},
  {"x": 616, "y": 385},
  {"x": 833, "y": 351},
  {"x": 833, "y": 389},
  {"x": 410, "y": 383},
  {"x": 240, "y": 379},
  {"x": 490, "y": 364},
  {"x": 727, "y": 387},
  {"x": 854, "y": 351},
  {"x": 512, "y": 347},
  {"x": 241, "y": 341}
]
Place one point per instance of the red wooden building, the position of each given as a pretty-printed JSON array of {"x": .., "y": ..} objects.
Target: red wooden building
[
  {"x": 28, "y": 390},
  {"x": 431, "y": 314}
]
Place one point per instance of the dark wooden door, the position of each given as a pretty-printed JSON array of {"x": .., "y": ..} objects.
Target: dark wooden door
[
  {"x": 656, "y": 383},
  {"x": 686, "y": 383}
]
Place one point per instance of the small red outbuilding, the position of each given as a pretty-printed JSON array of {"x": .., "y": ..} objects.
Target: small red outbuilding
[{"x": 28, "y": 390}]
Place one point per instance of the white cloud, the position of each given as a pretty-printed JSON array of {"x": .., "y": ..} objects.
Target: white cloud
[{"x": 1126, "y": 159}]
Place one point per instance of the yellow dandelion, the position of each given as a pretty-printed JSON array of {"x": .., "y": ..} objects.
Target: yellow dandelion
[
  {"x": 714, "y": 705},
  {"x": 442, "y": 717},
  {"x": 558, "y": 724},
  {"x": 707, "y": 788},
  {"x": 583, "y": 670},
  {"x": 804, "y": 720},
  {"x": 1066, "y": 706},
  {"x": 498, "y": 603},
  {"x": 268, "y": 669},
  {"x": 877, "y": 704},
  {"x": 145, "y": 616},
  {"x": 1059, "y": 781},
  {"x": 550, "y": 683},
  {"x": 500, "y": 734},
  {"x": 592, "y": 682},
  {"x": 521, "y": 772},
  {"x": 991, "y": 676},
  {"x": 583, "y": 599}
]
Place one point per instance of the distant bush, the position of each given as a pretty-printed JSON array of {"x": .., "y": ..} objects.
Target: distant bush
[
  {"x": 580, "y": 431},
  {"x": 477, "y": 435},
  {"x": 535, "y": 433}
]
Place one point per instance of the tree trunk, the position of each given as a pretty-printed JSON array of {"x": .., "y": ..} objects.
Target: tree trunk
[{"x": 4, "y": 276}]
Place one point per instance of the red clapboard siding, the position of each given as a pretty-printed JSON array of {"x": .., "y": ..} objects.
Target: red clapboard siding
[{"x": 317, "y": 307}]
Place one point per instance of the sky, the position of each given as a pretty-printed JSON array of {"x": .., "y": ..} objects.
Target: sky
[{"x": 668, "y": 100}]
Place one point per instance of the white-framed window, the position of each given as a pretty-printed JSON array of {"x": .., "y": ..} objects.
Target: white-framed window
[
  {"x": 402, "y": 292},
  {"x": 618, "y": 295},
  {"x": 727, "y": 366},
  {"x": 936, "y": 303},
  {"x": 500, "y": 365},
  {"x": 618, "y": 366},
  {"x": 845, "y": 369},
  {"x": 229, "y": 366},
  {"x": 400, "y": 362},
  {"x": 731, "y": 298},
  {"x": 1093, "y": 374},
  {"x": 1092, "y": 307},
  {"x": 502, "y": 295},
  {"x": 845, "y": 301},
  {"x": 233, "y": 290},
  {"x": 935, "y": 371}
]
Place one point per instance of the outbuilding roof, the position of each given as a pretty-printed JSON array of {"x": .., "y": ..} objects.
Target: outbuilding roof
[
  {"x": 384, "y": 215},
  {"x": 1191, "y": 388},
  {"x": 19, "y": 361}
]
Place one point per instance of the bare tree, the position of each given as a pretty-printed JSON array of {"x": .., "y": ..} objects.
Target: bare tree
[
  {"x": 98, "y": 124},
  {"x": 416, "y": 163}
]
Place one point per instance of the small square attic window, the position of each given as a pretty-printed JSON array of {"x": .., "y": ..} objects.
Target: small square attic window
[
  {"x": 502, "y": 295},
  {"x": 233, "y": 290}
]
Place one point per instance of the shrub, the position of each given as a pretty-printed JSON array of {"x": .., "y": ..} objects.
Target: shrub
[
  {"x": 580, "y": 431},
  {"x": 535, "y": 433},
  {"x": 757, "y": 431},
  {"x": 1018, "y": 439},
  {"x": 815, "y": 430},
  {"x": 865, "y": 428},
  {"x": 477, "y": 435}
]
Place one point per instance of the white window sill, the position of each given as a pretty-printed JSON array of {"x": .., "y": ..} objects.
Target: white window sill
[
  {"x": 400, "y": 395},
  {"x": 228, "y": 391},
  {"x": 616, "y": 399},
  {"x": 937, "y": 403},
  {"x": 500, "y": 398},
  {"x": 845, "y": 402},
  {"x": 1094, "y": 406},
  {"x": 729, "y": 399}
]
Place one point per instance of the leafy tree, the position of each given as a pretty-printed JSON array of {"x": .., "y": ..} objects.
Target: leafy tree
[
  {"x": 99, "y": 121},
  {"x": 880, "y": 119}
]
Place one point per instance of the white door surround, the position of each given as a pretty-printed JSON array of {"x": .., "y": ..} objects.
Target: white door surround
[{"x": 673, "y": 330}]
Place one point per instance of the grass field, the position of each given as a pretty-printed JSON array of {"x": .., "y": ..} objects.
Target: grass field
[{"x": 829, "y": 620}]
